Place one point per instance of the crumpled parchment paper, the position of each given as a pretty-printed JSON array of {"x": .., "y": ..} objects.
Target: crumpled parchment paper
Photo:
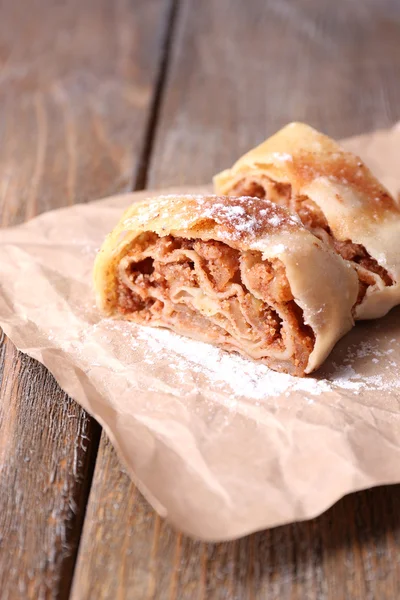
[{"x": 218, "y": 444}]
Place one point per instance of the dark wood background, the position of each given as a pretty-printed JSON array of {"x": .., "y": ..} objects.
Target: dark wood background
[{"x": 103, "y": 96}]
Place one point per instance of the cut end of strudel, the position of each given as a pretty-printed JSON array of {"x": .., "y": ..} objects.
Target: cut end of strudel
[
  {"x": 241, "y": 273},
  {"x": 337, "y": 198}
]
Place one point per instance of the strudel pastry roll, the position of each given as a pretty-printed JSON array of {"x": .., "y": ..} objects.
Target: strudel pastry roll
[
  {"x": 337, "y": 198},
  {"x": 241, "y": 273}
]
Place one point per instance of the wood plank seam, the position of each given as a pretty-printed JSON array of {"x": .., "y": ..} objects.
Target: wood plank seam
[
  {"x": 139, "y": 182},
  {"x": 141, "y": 175},
  {"x": 66, "y": 82}
]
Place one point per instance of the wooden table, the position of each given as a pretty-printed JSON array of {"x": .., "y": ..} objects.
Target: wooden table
[{"x": 103, "y": 96}]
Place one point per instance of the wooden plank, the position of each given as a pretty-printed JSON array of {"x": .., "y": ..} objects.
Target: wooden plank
[
  {"x": 238, "y": 71},
  {"x": 351, "y": 551},
  {"x": 76, "y": 87}
]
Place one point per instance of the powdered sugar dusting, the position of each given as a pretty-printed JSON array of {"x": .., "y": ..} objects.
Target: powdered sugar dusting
[
  {"x": 275, "y": 220},
  {"x": 237, "y": 216},
  {"x": 282, "y": 156},
  {"x": 243, "y": 377},
  {"x": 237, "y": 377},
  {"x": 278, "y": 248},
  {"x": 244, "y": 215}
]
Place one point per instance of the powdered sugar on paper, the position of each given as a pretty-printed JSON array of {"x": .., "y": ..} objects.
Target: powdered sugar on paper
[{"x": 239, "y": 377}]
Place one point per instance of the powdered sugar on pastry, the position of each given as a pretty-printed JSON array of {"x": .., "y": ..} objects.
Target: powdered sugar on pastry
[{"x": 221, "y": 269}]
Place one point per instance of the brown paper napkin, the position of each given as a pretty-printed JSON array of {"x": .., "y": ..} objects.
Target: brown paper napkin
[{"x": 220, "y": 445}]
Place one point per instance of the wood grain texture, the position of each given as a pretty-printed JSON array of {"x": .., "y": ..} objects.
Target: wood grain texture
[
  {"x": 350, "y": 552},
  {"x": 239, "y": 71},
  {"x": 76, "y": 85}
]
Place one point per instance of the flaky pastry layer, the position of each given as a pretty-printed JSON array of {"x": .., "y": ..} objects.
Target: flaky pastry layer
[
  {"x": 337, "y": 198},
  {"x": 241, "y": 273}
]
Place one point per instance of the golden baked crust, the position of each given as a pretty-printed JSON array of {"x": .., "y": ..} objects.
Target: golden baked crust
[
  {"x": 337, "y": 198},
  {"x": 242, "y": 273}
]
